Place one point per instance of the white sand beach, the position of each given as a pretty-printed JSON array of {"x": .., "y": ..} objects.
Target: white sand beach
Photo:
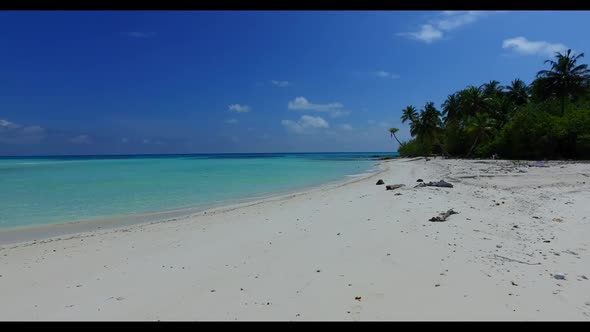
[{"x": 338, "y": 252}]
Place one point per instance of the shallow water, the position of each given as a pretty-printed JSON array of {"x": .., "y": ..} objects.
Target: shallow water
[{"x": 51, "y": 190}]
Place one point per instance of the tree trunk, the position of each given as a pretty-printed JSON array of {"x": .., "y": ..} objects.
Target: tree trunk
[
  {"x": 442, "y": 148},
  {"x": 400, "y": 143},
  {"x": 473, "y": 146}
]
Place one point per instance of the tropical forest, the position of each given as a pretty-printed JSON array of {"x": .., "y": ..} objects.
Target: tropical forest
[{"x": 546, "y": 119}]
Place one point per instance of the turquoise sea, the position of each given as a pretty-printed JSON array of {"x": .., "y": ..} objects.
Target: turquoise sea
[{"x": 55, "y": 190}]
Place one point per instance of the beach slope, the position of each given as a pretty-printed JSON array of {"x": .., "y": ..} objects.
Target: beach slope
[{"x": 338, "y": 252}]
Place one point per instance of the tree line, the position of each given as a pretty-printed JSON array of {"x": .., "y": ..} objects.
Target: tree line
[{"x": 547, "y": 119}]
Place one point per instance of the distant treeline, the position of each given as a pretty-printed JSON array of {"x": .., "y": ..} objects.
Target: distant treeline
[{"x": 548, "y": 119}]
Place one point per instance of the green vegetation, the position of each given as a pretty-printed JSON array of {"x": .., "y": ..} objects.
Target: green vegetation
[{"x": 550, "y": 118}]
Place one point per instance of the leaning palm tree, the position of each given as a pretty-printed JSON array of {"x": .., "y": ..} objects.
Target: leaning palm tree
[
  {"x": 392, "y": 132},
  {"x": 518, "y": 92},
  {"x": 409, "y": 114},
  {"x": 565, "y": 78},
  {"x": 479, "y": 126}
]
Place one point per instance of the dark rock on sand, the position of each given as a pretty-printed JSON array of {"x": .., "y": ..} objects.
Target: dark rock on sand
[
  {"x": 380, "y": 182},
  {"x": 393, "y": 186}
]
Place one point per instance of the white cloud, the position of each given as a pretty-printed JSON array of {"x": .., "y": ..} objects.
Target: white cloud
[
  {"x": 302, "y": 104},
  {"x": 292, "y": 126},
  {"x": 345, "y": 126},
  {"x": 281, "y": 84},
  {"x": 7, "y": 124},
  {"x": 306, "y": 121},
  {"x": 446, "y": 21},
  {"x": 334, "y": 109},
  {"x": 314, "y": 121},
  {"x": 427, "y": 34},
  {"x": 137, "y": 34},
  {"x": 455, "y": 19},
  {"x": 12, "y": 133},
  {"x": 523, "y": 46},
  {"x": 232, "y": 121},
  {"x": 81, "y": 139},
  {"x": 384, "y": 74},
  {"x": 239, "y": 108}
]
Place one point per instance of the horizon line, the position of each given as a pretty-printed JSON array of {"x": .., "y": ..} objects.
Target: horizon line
[{"x": 179, "y": 154}]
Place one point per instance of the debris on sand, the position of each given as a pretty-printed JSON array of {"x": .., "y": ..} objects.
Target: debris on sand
[
  {"x": 443, "y": 216},
  {"x": 394, "y": 186},
  {"x": 380, "y": 182},
  {"x": 440, "y": 183}
]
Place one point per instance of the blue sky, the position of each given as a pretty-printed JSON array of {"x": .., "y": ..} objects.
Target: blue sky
[{"x": 99, "y": 82}]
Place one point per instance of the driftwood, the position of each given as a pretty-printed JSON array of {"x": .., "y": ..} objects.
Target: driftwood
[
  {"x": 440, "y": 183},
  {"x": 443, "y": 216},
  {"x": 394, "y": 186},
  {"x": 515, "y": 260}
]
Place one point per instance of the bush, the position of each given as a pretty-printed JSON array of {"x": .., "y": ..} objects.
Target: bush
[
  {"x": 456, "y": 140},
  {"x": 485, "y": 150},
  {"x": 414, "y": 148},
  {"x": 530, "y": 134},
  {"x": 577, "y": 121}
]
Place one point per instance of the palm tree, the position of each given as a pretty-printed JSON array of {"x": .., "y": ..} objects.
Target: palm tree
[
  {"x": 518, "y": 92},
  {"x": 479, "y": 126},
  {"x": 429, "y": 126},
  {"x": 472, "y": 101},
  {"x": 565, "y": 79},
  {"x": 392, "y": 132},
  {"x": 451, "y": 108},
  {"x": 409, "y": 114},
  {"x": 500, "y": 109},
  {"x": 539, "y": 89},
  {"x": 428, "y": 123},
  {"x": 492, "y": 89}
]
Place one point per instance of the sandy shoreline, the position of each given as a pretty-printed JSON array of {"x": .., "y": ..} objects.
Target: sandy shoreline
[
  {"x": 14, "y": 236},
  {"x": 307, "y": 256}
]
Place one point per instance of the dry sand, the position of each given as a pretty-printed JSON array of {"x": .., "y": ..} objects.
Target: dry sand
[{"x": 347, "y": 252}]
